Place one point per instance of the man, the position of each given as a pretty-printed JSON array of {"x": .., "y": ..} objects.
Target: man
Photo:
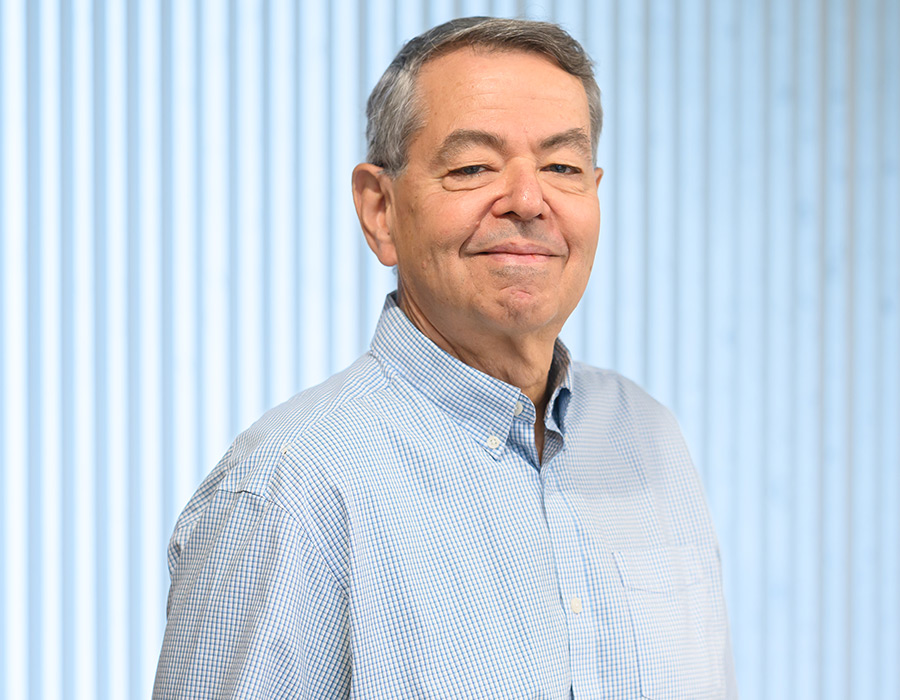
[{"x": 464, "y": 512}]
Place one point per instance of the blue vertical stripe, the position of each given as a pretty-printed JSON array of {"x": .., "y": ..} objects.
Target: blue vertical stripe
[
  {"x": 67, "y": 336},
  {"x": 631, "y": 175},
  {"x": 266, "y": 223},
  {"x": 101, "y": 358},
  {"x": 297, "y": 90},
  {"x": 749, "y": 608},
  {"x": 780, "y": 322},
  {"x": 645, "y": 44},
  {"x": 345, "y": 139},
  {"x": 332, "y": 76},
  {"x": 721, "y": 375},
  {"x": 865, "y": 333},
  {"x": 888, "y": 643},
  {"x": 35, "y": 347},
  {"x": 201, "y": 456},
  {"x": 314, "y": 218},
  {"x": 231, "y": 206},
  {"x": 135, "y": 354},
  {"x": 661, "y": 172},
  {"x": 691, "y": 255},
  {"x": 807, "y": 222},
  {"x": 838, "y": 385},
  {"x": 167, "y": 253}
]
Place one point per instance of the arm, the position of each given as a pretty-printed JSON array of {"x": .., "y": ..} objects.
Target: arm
[
  {"x": 731, "y": 691},
  {"x": 254, "y": 611}
]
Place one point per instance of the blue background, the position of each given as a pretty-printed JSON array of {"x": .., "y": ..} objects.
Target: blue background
[{"x": 179, "y": 251}]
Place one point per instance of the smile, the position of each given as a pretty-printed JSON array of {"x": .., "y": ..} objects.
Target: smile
[
  {"x": 509, "y": 258},
  {"x": 519, "y": 253}
]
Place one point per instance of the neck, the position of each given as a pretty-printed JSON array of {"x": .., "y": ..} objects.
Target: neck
[{"x": 521, "y": 360}]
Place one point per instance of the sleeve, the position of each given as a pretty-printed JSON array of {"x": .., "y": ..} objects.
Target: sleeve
[
  {"x": 731, "y": 689},
  {"x": 254, "y": 610}
]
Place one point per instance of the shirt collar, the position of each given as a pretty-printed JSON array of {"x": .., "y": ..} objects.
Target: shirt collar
[
  {"x": 561, "y": 378},
  {"x": 483, "y": 405}
]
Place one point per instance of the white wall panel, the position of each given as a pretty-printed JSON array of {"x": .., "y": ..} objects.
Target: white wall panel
[{"x": 179, "y": 251}]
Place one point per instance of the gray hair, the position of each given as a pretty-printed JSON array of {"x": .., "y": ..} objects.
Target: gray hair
[{"x": 393, "y": 110}]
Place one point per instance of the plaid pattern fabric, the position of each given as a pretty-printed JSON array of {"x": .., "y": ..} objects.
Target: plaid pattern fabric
[{"x": 391, "y": 534}]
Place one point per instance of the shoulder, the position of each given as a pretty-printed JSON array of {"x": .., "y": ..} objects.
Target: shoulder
[
  {"x": 313, "y": 414},
  {"x": 616, "y": 411},
  {"x": 617, "y": 416},
  {"x": 607, "y": 391},
  {"x": 255, "y": 460}
]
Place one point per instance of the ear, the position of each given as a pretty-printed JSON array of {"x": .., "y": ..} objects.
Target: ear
[
  {"x": 598, "y": 174},
  {"x": 373, "y": 197}
]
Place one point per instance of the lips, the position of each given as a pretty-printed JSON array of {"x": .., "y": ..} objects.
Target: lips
[{"x": 521, "y": 249}]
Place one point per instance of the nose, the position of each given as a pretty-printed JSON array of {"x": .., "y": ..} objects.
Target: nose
[{"x": 521, "y": 196}]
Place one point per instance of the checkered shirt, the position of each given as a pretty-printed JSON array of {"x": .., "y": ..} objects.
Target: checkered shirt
[{"x": 392, "y": 534}]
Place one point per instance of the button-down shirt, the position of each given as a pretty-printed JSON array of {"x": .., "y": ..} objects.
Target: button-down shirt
[{"x": 392, "y": 533}]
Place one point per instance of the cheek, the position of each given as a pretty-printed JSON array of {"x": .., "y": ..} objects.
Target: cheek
[
  {"x": 458, "y": 214},
  {"x": 586, "y": 228}
]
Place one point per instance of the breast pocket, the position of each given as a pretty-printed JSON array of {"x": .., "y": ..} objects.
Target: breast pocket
[{"x": 677, "y": 619}]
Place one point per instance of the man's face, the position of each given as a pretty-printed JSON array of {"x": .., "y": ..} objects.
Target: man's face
[{"x": 494, "y": 222}]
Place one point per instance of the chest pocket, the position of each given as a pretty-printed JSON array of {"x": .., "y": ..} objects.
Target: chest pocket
[{"x": 677, "y": 620}]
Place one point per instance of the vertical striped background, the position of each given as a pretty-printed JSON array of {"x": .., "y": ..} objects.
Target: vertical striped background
[{"x": 178, "y": 252}]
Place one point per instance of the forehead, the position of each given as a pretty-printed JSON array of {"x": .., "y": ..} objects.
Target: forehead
[{"x": 474, "y": 87}]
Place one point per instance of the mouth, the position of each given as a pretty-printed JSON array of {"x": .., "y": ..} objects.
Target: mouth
[
  {"x": 504, "y": 258},
  {"x": 521, "y": 253}
]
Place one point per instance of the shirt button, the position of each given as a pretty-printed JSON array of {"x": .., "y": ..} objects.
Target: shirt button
[
  {"x": 519, "y": 408},
  {"x": 575, "y": 605},
  {"x": 493, "y": 442}
]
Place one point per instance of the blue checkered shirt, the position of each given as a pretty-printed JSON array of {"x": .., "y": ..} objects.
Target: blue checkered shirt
[{"x": 392, "y": 534}]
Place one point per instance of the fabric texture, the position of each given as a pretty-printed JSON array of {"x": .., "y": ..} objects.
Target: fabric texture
[{"x": 391, "y": 534}]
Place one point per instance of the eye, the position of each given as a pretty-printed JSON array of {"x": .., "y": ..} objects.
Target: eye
[
  {"x": 469, "y": 170},
  {"x": 562, "y": 169}
]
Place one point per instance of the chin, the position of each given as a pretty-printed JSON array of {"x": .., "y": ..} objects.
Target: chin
[{"x": 524, "y": 312}]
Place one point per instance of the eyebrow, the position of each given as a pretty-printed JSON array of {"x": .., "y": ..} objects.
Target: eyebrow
[
  {"x": 576, "y": 138},
  {"x": 461, "y": 139}
]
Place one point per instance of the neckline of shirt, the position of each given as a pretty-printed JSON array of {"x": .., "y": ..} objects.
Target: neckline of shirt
[{"x": 483, "y": 405}]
